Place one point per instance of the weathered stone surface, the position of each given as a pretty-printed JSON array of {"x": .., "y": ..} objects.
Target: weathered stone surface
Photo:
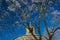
[{"x": 27, "y": 37}]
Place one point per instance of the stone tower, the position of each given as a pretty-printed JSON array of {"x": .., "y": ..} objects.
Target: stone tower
[{"x": 28, "y": 35}]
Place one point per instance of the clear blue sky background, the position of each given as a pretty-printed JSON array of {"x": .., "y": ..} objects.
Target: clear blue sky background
[{"x": 10, "y": 32}]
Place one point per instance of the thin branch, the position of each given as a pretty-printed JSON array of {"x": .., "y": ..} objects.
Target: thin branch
[
  {"x": 56, "y": 30},
  {"x": 45, "y": 37},
  {"x": 42, "y": 14}
]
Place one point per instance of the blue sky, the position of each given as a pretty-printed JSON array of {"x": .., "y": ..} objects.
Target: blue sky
[{"x": 8, "y": 29}]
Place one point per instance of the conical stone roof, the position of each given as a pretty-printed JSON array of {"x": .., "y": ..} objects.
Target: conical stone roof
[{"x": 26, "y": 37}]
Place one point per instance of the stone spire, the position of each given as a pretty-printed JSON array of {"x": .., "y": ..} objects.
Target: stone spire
[{"x": 30, "y": 28}]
